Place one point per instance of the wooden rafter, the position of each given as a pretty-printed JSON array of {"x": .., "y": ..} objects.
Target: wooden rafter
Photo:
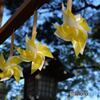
[{"x": 19, "y": 17}]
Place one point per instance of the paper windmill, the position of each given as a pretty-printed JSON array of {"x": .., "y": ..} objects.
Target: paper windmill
[
  {"x": 10, "y": 68},
  {"x": 35, "y": 53},
  {"x": 74, "y": 29}
]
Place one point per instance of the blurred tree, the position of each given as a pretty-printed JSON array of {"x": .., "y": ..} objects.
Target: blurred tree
[{"x": 86, "y": 68}]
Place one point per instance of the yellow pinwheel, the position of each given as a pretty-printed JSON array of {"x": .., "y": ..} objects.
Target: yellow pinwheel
[
  {"x": 74, "y": 29},
  {"x": 10, "y": 68},
  {"x": 35, "y": 53}
]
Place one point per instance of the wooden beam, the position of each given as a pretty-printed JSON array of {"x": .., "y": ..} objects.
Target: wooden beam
[
  {"x": 19, "y": 17},
  {"x": 1, "y": 10}
]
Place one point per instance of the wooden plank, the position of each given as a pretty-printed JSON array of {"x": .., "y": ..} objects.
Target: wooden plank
[
  {"x": 1, "y": 10},
  {"x": 19, "y": 17}
]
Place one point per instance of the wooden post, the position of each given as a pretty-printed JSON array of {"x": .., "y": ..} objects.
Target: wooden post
[{"x": 27, "y": 74}]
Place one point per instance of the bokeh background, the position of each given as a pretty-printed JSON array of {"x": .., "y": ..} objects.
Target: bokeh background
[{"x": 79, "y": 75}]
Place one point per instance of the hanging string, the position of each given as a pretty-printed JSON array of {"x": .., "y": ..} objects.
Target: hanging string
[
  {"x": 69, "y": 4},
  {"x": 12, "y": 45},
  {"x": 63, "y": 8},
  {"x": 34, "y": 33}
]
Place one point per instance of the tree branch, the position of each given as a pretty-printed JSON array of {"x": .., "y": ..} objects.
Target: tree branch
[
  {"x": 21, "y": 15},
  {"x": 88, "y": 5}
]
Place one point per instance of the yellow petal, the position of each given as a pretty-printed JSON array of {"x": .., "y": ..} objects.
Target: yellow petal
[
  {"x": 17, "y": 72},
  {"x": 69, "y": 32},
  {"x": 2, "y": 62},
  {"x": 69, "y": 18},
  {"x": 80, "y": 43},
  {"x": 6, "y": 74},
  {"x": 29, "y": 43},
  {"x": 82, "y": 37},
  {"x": 82, "y": 22},
  {"x": 14, "y": 60},
  {"x": 85, "y": 25},
  {"x": 2, "y": 77},
  {"x": 37, "y": 63},
  {"x": 61, "y": 33},
  {"x": 65, "y": 32},
  {"x": 77, "y": 47},
  {"x": 44, "y": 50},
  {"x": 26, "y": 55},
  {"x": 9, "y": 72}
]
